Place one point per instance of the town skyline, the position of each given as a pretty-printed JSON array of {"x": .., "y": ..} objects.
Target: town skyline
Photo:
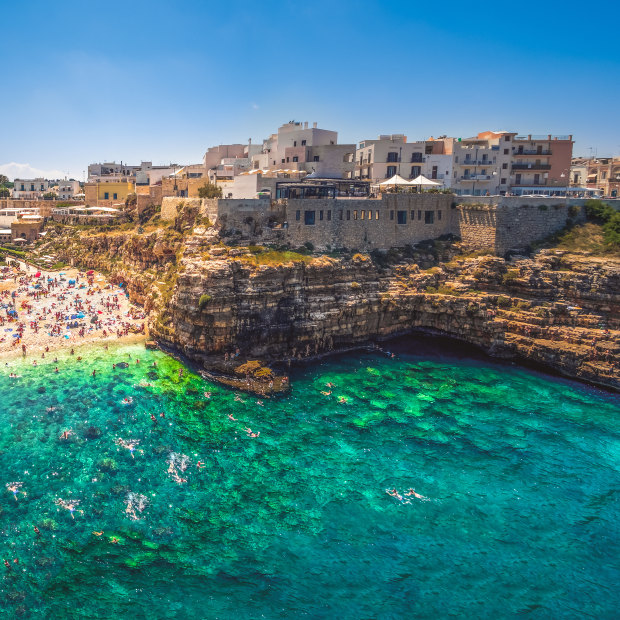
[{"x": 163, "y": 87}]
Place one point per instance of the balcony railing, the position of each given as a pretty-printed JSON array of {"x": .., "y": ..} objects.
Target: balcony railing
[
  {"x": 524, "y": 182},
  {"x": 475, "y": 177},
  {"x": 533, "y": 152},
  {"x": 476, "y": 162},
  {"x": 531, "y": 167}
]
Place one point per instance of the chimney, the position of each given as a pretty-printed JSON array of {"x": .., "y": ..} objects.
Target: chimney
[{"x": 314, "y": 125}]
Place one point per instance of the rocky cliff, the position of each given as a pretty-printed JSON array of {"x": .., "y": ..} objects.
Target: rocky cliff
[{"x": 210, "y": 301}]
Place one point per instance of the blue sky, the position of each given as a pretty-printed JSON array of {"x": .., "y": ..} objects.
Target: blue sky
[{"x": 162, "y": 81}]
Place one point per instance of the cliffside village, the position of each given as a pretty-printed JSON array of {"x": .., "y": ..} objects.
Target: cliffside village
[{"x": 301, "y": 186}]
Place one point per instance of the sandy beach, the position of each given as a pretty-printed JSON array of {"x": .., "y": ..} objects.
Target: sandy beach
[{"x": 42, "y": 312}]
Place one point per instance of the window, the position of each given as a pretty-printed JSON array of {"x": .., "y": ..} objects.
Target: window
[
  {"x": 294, "y": 142},
  {"x": 341, "y": 215},
  {"x": 506, "y": 151},
  {"x": 428, "y": 149},
  {"x": 115, "y": 196},
  {"x": 392, "y": 157},
  {"x": 316, "y": 158},
  {"x": 32, "y": 187},
  {"x": 363, "y": 214},
  {"x": 504, "y": 166},
  {"x": 419, "y": 215},
  {"x": 429, "y": 217},
  {"x": 507, "y": 138},
  {"x": 303, "y": 143},
  {"x": 401, "y": 217},
  {"x": 22, "y": 187},
  {"x": 503, "y": 181},
  {"x": 309, "y": 218},
  {"x": 416, "y": 171},
  {"x": 355, "y": 214},
  {"x": 439, "y": 215},
  {"x": 391, "y": 171},
  {"x": 288, "y": 159},
  {"x": 329, "y": 215},
  {"x": 376, "y": 215},
  {"x": 295, "y": 158},
  {"x": 43, "y": 187},
  {"x": 391, "y": 215},
  {"x": 321, "y": 215},
  {"x": 348, "y": 214},
  {"x": 412, "y": 215},
  {"x": 282, "y": 161},
  {"x": 106, "y": 196},
  {"x": 297, "y": 215}
]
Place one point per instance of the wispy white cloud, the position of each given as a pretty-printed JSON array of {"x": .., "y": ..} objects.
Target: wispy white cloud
[{"x": 14, "y": 170}]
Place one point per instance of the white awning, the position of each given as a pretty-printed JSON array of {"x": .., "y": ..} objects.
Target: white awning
[
  {"x": 422, "y": 180},
  {"x": 395, "y": 180}
]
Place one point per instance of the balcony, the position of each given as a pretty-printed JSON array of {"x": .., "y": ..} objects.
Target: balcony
[
  {"x": 475, "y": 177},
  {"x": 417, "y": 158},
  {"x": 531, "y": 167},
  {"x": 476, "y": 162},
  {"x": 526, "y": 183},
  {"x": 532, "y": 152}
]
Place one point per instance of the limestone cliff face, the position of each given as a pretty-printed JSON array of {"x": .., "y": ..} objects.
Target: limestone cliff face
[
  {"x": 205, "y": 299},
  {"x": 547, "y": 310}
]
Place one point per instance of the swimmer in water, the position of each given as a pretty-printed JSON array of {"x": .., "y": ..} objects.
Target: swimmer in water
[
  {"x": 330, "y": 385},
  {"x": 200, "y": 464},
  {"x": 394, "y": 493},
  {"x": 36, "y": 530},
  {"x": 260, "y": 402},
  {"x": 14, "y": 487},
  {"x": 129, "y": 445},
  {"x": 230, "y": 417},
  {"x": 207, "y": 394},
  {"x": 127, "y": 400},
  {"x": 153, "y": 418},
  {"x": 412, "y": 492},
  {"x": 342, "y": 400},
  {"x": 162, "y": 415},
  {"x": 180, "y": 372},
  {"x": 98, "y": 533},
  {"x": 326, "y": 393},
  {"x": 114, "y": 540}
]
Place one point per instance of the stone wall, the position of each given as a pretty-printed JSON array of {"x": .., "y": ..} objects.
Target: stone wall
[
  {"x": 508, "y": 223},
  {"x": 477, "y": 226},
  {"x": 169, "y": 206},
  {"x": 395, "y": 220}
]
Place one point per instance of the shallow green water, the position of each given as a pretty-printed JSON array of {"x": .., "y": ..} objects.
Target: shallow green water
[{"x": 520, "y": 472}]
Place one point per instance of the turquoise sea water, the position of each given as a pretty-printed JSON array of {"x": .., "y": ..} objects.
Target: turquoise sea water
[{"x": 519, "y": 473}]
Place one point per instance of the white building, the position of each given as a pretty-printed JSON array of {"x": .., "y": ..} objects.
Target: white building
[
  {"x": 299, "y": 147},
  {"x": 67, "y": 189},
  {"x": 31, "y": 189},
  {"x": 144, "y": 174},
  {"x": 380, "y": 159}
]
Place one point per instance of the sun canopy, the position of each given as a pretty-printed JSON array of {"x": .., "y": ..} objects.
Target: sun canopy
[
  {"x": 395, "y": 180},
  {"x": 422, "y": 180}
]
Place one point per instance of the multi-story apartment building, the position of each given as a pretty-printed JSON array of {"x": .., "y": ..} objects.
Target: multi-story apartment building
[
  {"x": 299, "y": 147},
  {"x": 602, "y": 173},
  {"x": 380, "y": 159},
  {"x": 506, "y": 163},
  {"x": 67, "y": 189},
  {"x": 31, "y": 189}
]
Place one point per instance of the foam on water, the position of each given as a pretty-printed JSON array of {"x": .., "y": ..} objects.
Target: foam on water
[{"x": 190, "y": 516}]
